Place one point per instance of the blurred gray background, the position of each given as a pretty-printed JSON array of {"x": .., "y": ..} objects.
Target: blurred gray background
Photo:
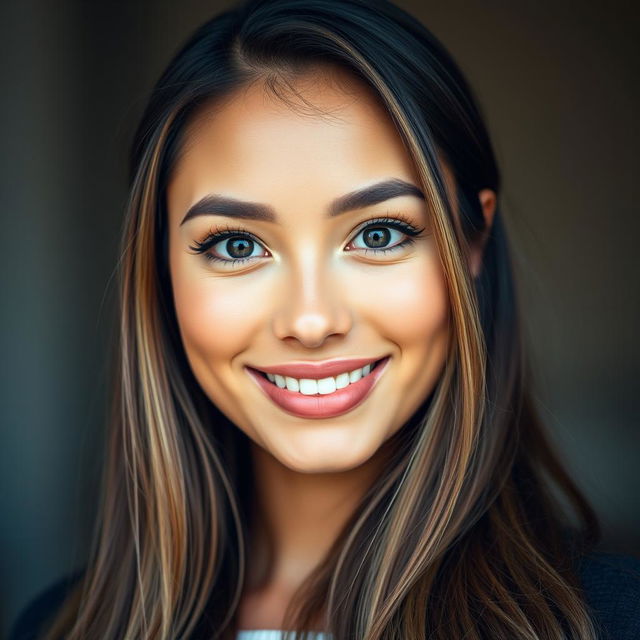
[{"x": 557, "y": 82}]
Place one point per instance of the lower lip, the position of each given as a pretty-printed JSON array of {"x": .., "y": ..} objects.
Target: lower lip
[{"x": 321, "y": 406}]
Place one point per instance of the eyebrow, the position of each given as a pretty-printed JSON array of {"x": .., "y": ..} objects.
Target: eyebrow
[{"x": 213, "y": 204}]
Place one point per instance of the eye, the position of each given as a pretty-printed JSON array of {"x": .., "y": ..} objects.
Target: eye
[
  {"x": 231, "y": 246},
  {"x": 384, "y": 235},
  {"x": 239, "y": 247}
]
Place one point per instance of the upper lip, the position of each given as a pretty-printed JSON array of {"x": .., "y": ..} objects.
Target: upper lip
[{"x": 319, "y": 369}]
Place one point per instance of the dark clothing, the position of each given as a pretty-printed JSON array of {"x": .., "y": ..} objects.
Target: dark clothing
[
  {"x": 612, "y": 588},
  {"x": 611, "y": 583}
]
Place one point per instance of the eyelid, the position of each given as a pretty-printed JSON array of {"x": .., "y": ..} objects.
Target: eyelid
[
  {"x": 218, "y": 234},
  {"x": 396, "y": 219}
]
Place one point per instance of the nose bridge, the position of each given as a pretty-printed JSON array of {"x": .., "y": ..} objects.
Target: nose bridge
[{"x": 313, "y": 305}]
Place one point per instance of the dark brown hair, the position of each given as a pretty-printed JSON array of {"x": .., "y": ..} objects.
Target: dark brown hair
[{"x": 475, "y": 530}]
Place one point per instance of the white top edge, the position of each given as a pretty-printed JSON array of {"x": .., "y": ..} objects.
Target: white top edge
[{"x": 274, "y": 634}]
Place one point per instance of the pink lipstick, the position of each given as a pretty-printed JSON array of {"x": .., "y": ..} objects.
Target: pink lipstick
[
  {"x": 318, "y": 369},
  {"x": 327, "y": 405}
]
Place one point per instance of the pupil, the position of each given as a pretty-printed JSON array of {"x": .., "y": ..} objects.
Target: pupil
[
  {"x": 377, "y": 237},
  {"x": 242, "y": 247}
]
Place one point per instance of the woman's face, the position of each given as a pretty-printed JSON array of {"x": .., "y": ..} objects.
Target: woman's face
[{"x": 314, "y": 279}]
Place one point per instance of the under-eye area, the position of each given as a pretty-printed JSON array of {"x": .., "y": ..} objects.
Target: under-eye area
[{"x": 321, "y": 386}]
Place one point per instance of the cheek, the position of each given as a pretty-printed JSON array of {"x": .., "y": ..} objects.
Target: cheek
[
  {"x": 216, "y": 316},
  {"x": 409, "y": 302}
]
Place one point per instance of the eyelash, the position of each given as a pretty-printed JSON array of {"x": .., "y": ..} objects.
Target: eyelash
[{"x": 399, "y": 222}]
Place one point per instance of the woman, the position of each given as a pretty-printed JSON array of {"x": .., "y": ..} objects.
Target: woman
[{"x": 321, "y": 418}]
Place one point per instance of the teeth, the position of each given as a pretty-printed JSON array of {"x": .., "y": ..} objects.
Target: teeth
[
  {"x": 326, "y": 385},
  {"x": 311, "y": 387},
  {"x": 342, "y": 380},
  {"x": 308, "y": 387}
]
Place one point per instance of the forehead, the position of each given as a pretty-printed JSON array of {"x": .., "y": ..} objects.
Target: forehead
[{"x": 327, "y": 135}]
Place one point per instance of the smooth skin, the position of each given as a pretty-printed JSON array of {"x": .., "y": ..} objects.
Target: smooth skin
[{"x": 308, "y": 292}]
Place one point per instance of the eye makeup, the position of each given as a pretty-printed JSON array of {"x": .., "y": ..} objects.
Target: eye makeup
[{"x": 216, "y": 235}]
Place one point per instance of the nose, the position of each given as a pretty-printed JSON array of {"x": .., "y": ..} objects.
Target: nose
[{"x": 313, "y": 306}]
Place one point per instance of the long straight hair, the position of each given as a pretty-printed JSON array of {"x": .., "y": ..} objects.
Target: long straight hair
[{"x": 475, "y": 529}]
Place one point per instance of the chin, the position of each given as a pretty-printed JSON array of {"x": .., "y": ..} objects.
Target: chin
[{"x": 328, "y": 456}]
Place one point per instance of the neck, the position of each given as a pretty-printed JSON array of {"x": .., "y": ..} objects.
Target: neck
[{"x": 298, "y": 516}]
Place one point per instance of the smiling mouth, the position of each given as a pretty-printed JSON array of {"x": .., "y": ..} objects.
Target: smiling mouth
[
  {"x": 321, "y": 398},
  {"x": 321, "y": 386}
]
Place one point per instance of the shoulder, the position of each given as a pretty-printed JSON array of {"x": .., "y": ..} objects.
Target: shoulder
[
  {"x": 32, "y": 619},
  {"x": 611, "y": 584}
]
